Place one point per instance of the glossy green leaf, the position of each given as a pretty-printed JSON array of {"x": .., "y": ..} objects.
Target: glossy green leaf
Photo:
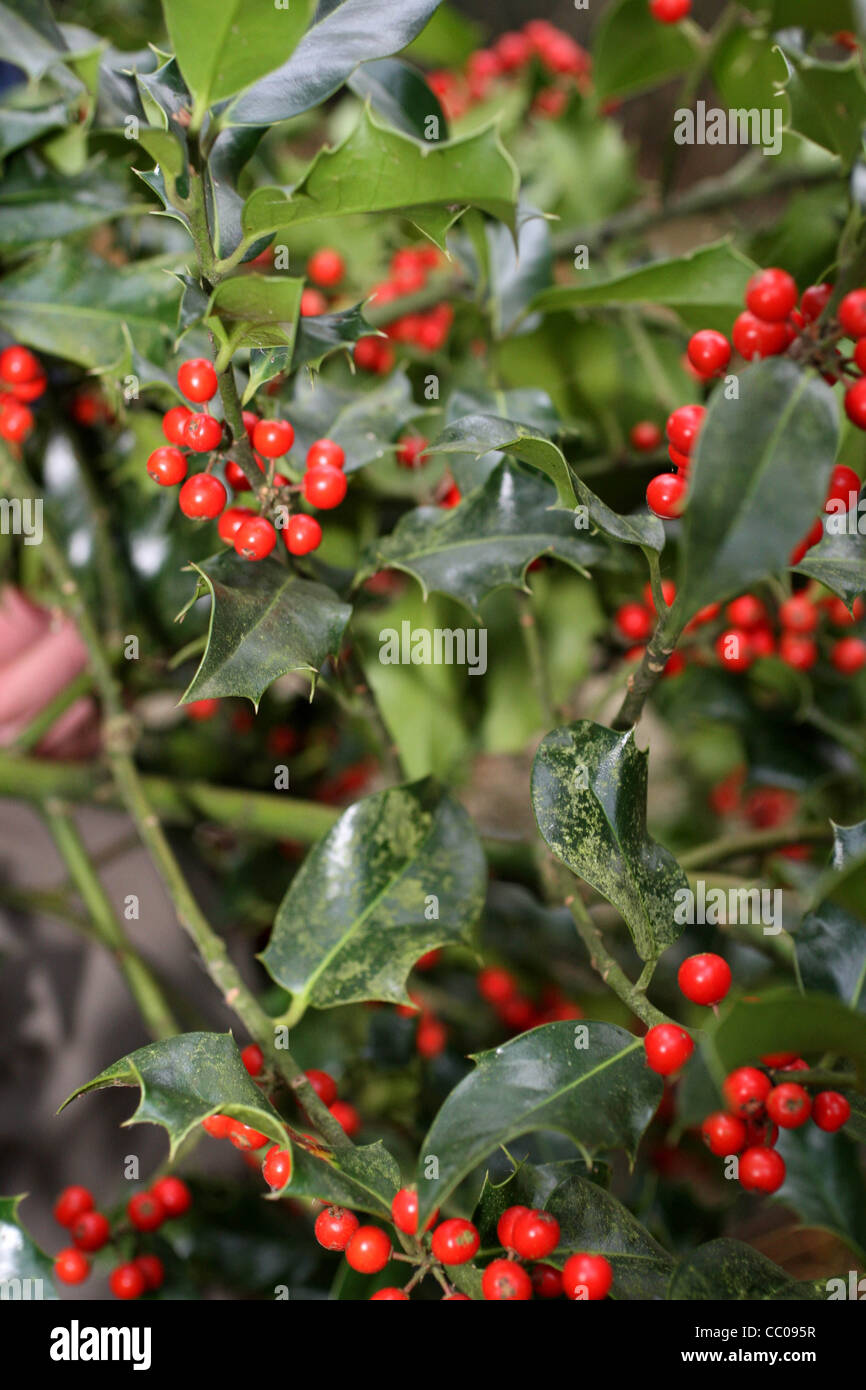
[
  {"x": 830, "y": 945},
  {"x": 183, "y": 1080},
  {"x": 839, "y": 560},
  {"x": 589, "y": 790},
  {"x": 530, "y": 1185},
  {"x": 728, "y": 1271},
  {"x": 380, "y": 170},
  {"x": 632, "y": 51},
  {"x": 346, "y": 33},
  {"x": 401, "y": 95},
  {"x": 363, "y": 424},
  {"x": 828, "y": 102},
  {"x": 588, "y": 1081},
  {"x": 28, "y": 31},
  {"x": 21, "y": 125},
  {"x": 320, "y": 335},
  {"x": 784, "y": 1020},
  {"x": 25, "y": 1271},
  {"x": 758, "y": 478},
  {"x": 363, "y": 1179},
  {"x": 224, "y": 48},
  {"x": 517, "y": 272},
  {"x": 487, "y": 542},
  {"x": 844, "y": 880},
  {"x": 594, "y": 1221},
  {"x": 264, "y": 622},
  {"x": 401, "y": 872},
  {"x": 44, "y": 208},
  {"x": 482, "y": 434},
  {"x": 256, "y": 311},
  {"x": 824, "y": 1184}
]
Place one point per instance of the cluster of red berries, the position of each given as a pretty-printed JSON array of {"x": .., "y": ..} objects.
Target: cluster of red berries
[
  {"x": 670, "y": 11},
  {"x": 524, "y": 1233},
  {"x": 499, "y": 988},
  {"x": 204, "y": 496},
  {"x": 249, "y": 1140},
  {"x": 557, "y": 53},
  {"x": 408, "y": 272},
  {"x": 635, "y": 623},
  {"x": 326, "y": 268},
  {"x": 22, "y": 381},
  {"x": 166, "y": 1200},
  {"x": 764, "y": 808}
]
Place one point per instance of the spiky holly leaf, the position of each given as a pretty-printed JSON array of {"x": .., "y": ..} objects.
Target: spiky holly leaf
[{"x": 25, "y": 1271}]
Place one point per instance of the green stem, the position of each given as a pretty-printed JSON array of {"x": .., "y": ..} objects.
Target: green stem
[
  {"x": 818, "y": 1076},
  {"x": 752, "y": 842},
  {"x": 50, "y": 713},
  {"x": 644, "y": 680}
]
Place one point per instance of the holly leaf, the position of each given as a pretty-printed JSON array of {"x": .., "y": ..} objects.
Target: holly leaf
[
  {"x": 594, "y": 1221},
  {"x": 530, "y": 1185},
  {"x": 729, "y": 1271},
  {"x": 376, "y": 169},
  {"x": 758, "y": 478},
  {"x": 21, "y": 125},
  {"x": 220, "y": 51},
  {"x": 588, "y": 1081},
  {"x": 830, "y": 946},
  {"x": 256, "y": 311},
  {"x": 632, "y": 51},
  {"x": 264, "y": 622},
  {"x": 589, "y": 791},
  {"x": 518, "y": 271},
  {"x": 482, "y": 434},
  {"x": 185, "y": 1079},
  {"x": 364, "y": 425},
  {"x": 28, "y": 31},
  {"x": 49, "y": 205},
  {"x": 400, "y": 93},
  {"x": 346, "y": 33},
  {"x": 824, "y": 1184},
  {"x": 838, "y": 561},
  {"x": 785, "y": 1020},
  {"x": 25, "y": 1271},
  {"x": 827, "y": 101},
  {"x": 485, "y": 543},
  {"x": 401, "y": 872},
  {"x": 321, "y": 335},
  {"x": 363, "y": 1179}
]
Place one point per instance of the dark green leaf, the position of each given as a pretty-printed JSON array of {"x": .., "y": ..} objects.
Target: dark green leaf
[
  {"x": 785, "y": 1020},
  {"x": 594, "y": 1221},
  {"x": 25, "y": 1272},
  {"x": 728, "y": 1271},
  {"x": 29, "y": 35},
  {"x": 400, "y": 93},
  {"x": 43, "y": 208},
  {"x": 482, "y": 434},
  {"x": 320, "y": 335},
  {"x": 839, "y": 559},
  {"x": 830, "y": 944},
  {"x": 224, "y": 49},
  {"x": 632, "y": 51},
  {"x": 257, "y": 311},
  {"x": 364, "y": 1179},
  {"x": 401, "y": 872},
  {"x": 589, "y": 789},
  {"x": 824, "y": 1185},
  {"x": 21, "y": 125},
  {"x": 587, "y": 1081},
  {"x": 828, "y": 102},
  {"x": 264, "y": 622},
  {"x": 363, "y": 424},
  {"x": 517, "y": 273},
  {"x": 530, "y": 1185}
]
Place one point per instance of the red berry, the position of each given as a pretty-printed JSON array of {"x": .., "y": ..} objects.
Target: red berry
[
  {"x": 16, "y": 421},
  {"x": 197, "y": 380},
  {"x": 587, "y": 1277},
  {"x": 754, "y": 337},
  {"x": 174, "y": 1195},
  {"x": 546, "y": 1281},
  {"x": 302, "y": 534},
  {"x": 232, "y": 519},
  {"x": 455, "y": 1241},
  {"x": 761, "y": 1170},
  {"x": 167, "y": 466},
  {"x": 237, "y": 478},
  {"x": 669, "y": 593},
  {"x": 848, "y": 655},
  {"x": 277, "y": 1167},
  {"x": 684, "y": 426},
  {"x": 778, "y": 1059},
  {"x": 733, "y": 649},
  {"x": 838, "y": 612},
  {"x": 202, "y": 496},
  {"x": 666, "y": 495},
  {"x": 255, "y": 538},
  {"x": 404, "y": 1212},
  {"x": 723, "y": 1134},
  {"x": 705, "y": 978},
  {"x": 789, "y": 1105},
  {"x": 151, "y": 1269},
  {"x": 860, "y": 353},
  {"x": 670, "y": 11},
  {"x": 496, "y": 985},
  {"x": 503, "y": 1280},
  {"x": 90, "y": 1230},
  {"x": 324, "y": 486},
  {"x": 745, "y": 1091},
  {"x": 645, "y": 436},
  {"x": 634, "y": 621},
  {"x": 127, "y": 1281},
  {"x": 70, "y": 1266},
  {"x": 335, "y": 1227},
  {"x": 797, "y": 1065},
  {"x": 746, "y": 611},
  {"x": 218, "y": 1126},
  {"x": 431, "y": 1038},
  {"x": 761, "y": 642},
  {"x": 410, "y": 451},
  {"x": 202, "y": 710},
  {"x": 852, "y": 314},
  {"x": 253, "y": 1058},
  {"x": 72, "y": 1203},
  {"x": 203, "y": 433},
  {"x": 324, "y": 1086},
  {"x": 709, "y": 352},
  {"x": 368, "y": 1250},
  {"x": 27, "y": 391},
  {"x": 771, "y": 295},
  {"x": 346, "y": 1116},
  {"x": 843, "y": 482},
  {"x": 325, "y": 451},
  {"x": 855, "y": 403},
  {"x": 830, "y": 1110},
  {"x": 273, "y": 438},
  {"x": 535, "y": 1234},
  {"x": 761, "y": 1132},
  {"x": 668, "y": 1047},
  {"x": 801, "y": 653},
  {"x": 174, "y": 423},
  {"x": 814, "y": 301},
  {"x": 326, "y": 267},
  {"x": 146, "y": 1211},
  {"x": 390, "y": 1296},
  {"x": 244, "y": 1137},
  {"x": 798, "y": 614},
  {"x": 505, "y": 1225},
  {"x": 18, "y": 365},
  {"x": 451, "y": 498}
]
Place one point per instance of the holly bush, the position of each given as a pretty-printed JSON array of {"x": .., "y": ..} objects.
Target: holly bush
[{"x": 431, "y": 517}]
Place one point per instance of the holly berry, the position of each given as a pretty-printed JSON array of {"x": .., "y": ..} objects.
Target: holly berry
[
  {"x": 666, "y": 495},
  {"x": 852, "y": 314},
  {"x": 704, "y": 979},
  {"x": 670, "y": 11},
  {"x": 237, "y": 478},
  {"x": 255, "y": 538},
  {"x": 798, "y": 614},
  {"x": 431, "y": 1038},
  {"x": 586, "y": 1277},
  {"x": 709, "y": 352},
  {"x": 799, "y": 652},
  {"x": 335, "y": 1227},
  {"x": 668, "y": 1047},
  {"x": 645, "y": 436},
  {"x": 830, "y": 1110},
  {"x": 127, "y": 1281},
  {"x": 174, "y": 423},
  {"x": 843, "y": 481},
  {"x": 197, "y": 380},
  {"x": 218, "y": 1126},
  {"x": 855, "y": 403},
  {"x": 634, "y": 622},
  {"x": 313, "y": 303},
  {"x": 754, "y": 337},
  {"x": 174, "y": 1195},
  {"x": 789, "y": 1105},
  {"x": 505, "y": 1225},
  {"x": 151, "y": 1269},
  {"x": 302, "y": 534},
  {"x": 231, "y": 521},
  {"x": 848, "y": 655},
  {"x": 771, "y": 295},
  {"x": 761, "y": 1132},
  {"x": 778, "y": 1059},
  {"x": 390, "y": 1296},
  {"x": 346, "y": 1116},
  {"x": 146, "y": 1211},
  {"x": 546, "y": 1281},
  {"x": 814, "y": 301},
  {"x": 684, "y": 426},
  {"x": 324, "y": 486},
  {"x": 404, "y": 1210},
  {"x": 16, "y": 421},
  {"x": 504, "y": 1281},
  {"x": 90, "y": 1230},
  {"x": 745, "y": 1091},
  {"x": 71, "y": 1266},
  {"x": 746, "y": 611},
  {"x": 723, "y": 1134},
  {"x": 277, "y": 1167},
  {"x": 455, "y": 1241},
  {"x": 410, "y": 451},
  {"x": 326, "y": 452},
  {"x": 253, "y": 1059},
  {"x": 733, "y": 648},
  {"x": 326, "y": 267},
  {"x": 534, "y": 1235},
  {"x": 202, "y": 710},
  {"x": 19, "y": 366},
  {"x": 495, "y": 984},
  {"x": 324, "y": 1085},
  {"x": 273, "y": 438},
  {"x": 761, "y": 1170},
  {"x": 368, "y": 1250},
  {"x": 244, "y": 1137},
  {"x": 167, "y": 466},
  {"x": 202, "y": 496},
  {"x": 72, "y": 1203},
  {"x": 203, "y": 433}
]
